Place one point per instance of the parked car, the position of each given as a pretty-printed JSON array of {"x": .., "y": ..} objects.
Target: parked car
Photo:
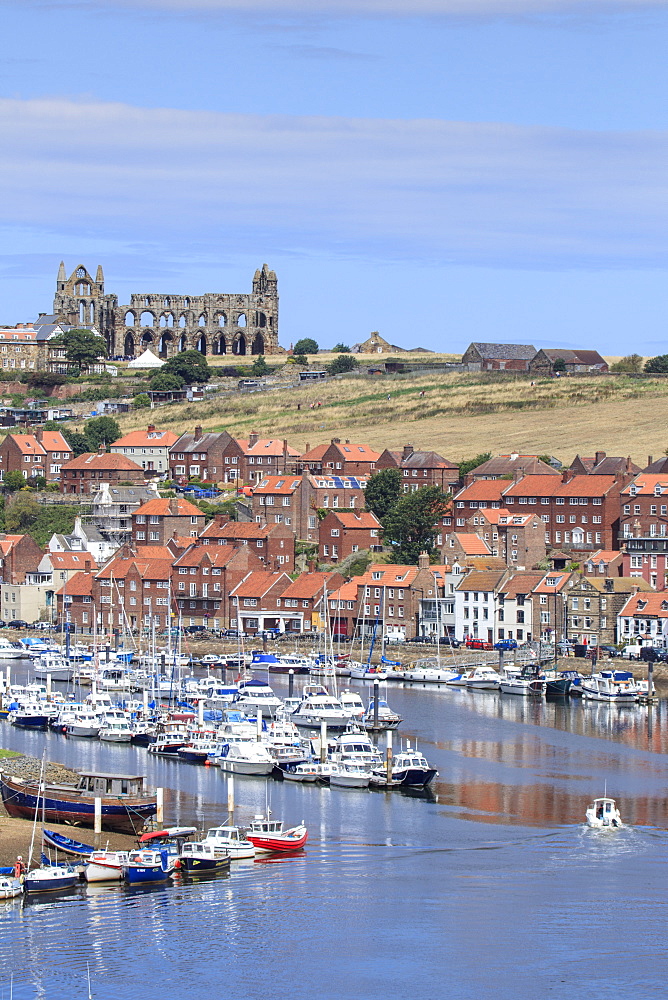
[
  {"x": 449, "y": 640},
  {"x": 17, "y": 623},
  {"x": 653, "y": 654},
  {"x": 231, "y": 633},
  {"x": 505, "y": 644},
  {"x": 194, "y": 629},
  {"x": 422, "y": 638},
  {"x": 608, "y": 651},
  {"x": 477, "y": 643}
]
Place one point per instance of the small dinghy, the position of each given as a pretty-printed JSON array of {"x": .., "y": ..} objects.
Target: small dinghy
[
  {"x": 10, "y": 887},
  {"x": 66, "y": 844},
  {"x": 269, "y": 837},
  {"x": 603, "y": 814}
]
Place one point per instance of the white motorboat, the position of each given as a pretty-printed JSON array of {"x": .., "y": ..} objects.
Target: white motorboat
[
  {"x": 350, "y": 775},
  {"x": 409, "y": 769},
  {"x": 105, "y": 866},
  {"x": 427, "y": 674},
  {"x": 603, "y": 814},
  {"x": 232, "y": 840},
  {"x": 614, "y": 686},
  {"x": 84, "y": 724},
  {"x": 212, "y": 660},
  {"x": 247, "y": 758},
  {"x": 352, "y": 703},
  {"x": 116, "y": 731},
  {"x": 353, "y": 748},
  {"x": 11, "y": 651},
  {"x": 317, "y": 706},
  {"x": 10, "y": 887},
  {"x": 53, "y": 665},
  {"x": 304, "y": 772},
  {"x": 254, "y": 695},
  {"x": 381, "y": 720},
  {"x": 483, "y": 679},
  {"x": 513, "y": 682}
]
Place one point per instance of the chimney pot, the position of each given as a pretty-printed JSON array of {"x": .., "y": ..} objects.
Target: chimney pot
[
  {"x": 408, "y": 450},
  {"x": 253, "y": 438},
  {"x": 649, "y": 459},
  {"x": 600, "y": 455},
  {"x": 423, "y": 560},
  {"x": 151, "y": 428}
]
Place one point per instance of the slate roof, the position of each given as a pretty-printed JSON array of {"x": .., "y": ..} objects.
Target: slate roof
[
  {"x": 505, "y": 465},
  {"x": 426, "y": 460},
  {"x": 486, "y": 580},
  {"x": 504, "y": 352}
]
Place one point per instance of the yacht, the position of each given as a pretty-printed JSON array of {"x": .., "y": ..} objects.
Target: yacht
[
  {"x": 232, "y": 840},
  {"x": 353, "y": 704},
  {"x": 409, "y": 769},
  {"x": 246, "y": 757},
  {"x": 483, "y": 679},
  {"x": 84, "y": 723},
  {"x": 428, "y": 672},
  {"x": 317, "y": 706},
  {"x": 254, "y": 695},
  {"x": 116, "y": 731},
  {"x": 11, "y": 650}
]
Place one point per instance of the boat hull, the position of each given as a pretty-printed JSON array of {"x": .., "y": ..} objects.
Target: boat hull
[
  {"x": 123, "y": 815},
  {"x": 142, "y": 874},
  {"x": 246, "y": 767},
  {"x": 49, "y": 880},
  {"x": 202, "y": 866},
  {"x": 349, "y": 780},
  {"x": 285, "y": 844},
  {"x": 31, "y": 721},
  {"x": 101, "y": 869}
]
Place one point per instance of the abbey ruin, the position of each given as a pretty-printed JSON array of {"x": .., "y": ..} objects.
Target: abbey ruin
[{"x": 168, "y": 324}]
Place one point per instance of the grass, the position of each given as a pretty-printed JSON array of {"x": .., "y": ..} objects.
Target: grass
[
  {"x": 458, "y": 415},
  {"x": 9, "y": 753}
]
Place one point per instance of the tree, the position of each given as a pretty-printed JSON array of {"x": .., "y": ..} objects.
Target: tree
[
  {"x": 297, "y": 359},
  {"x": 344, "y": 363},
  {"x": 191, "y": 366},
  {"x": 37, "y": 482},
  {"x": 658, "y": 365},
  {"x": 559, "y": 366},
  {"x": 260, "y": 366},
  {"x": 141, "y": 401},
  {"x": 77, "y": 441},
  {"x": 22, "y": 513},
  {"x": 82, "y": 347},
  {"x": 45, "y": 380},
  {"x": 101, "y": 430},
  {"x": 14, "y": 481},
  {"x": 382, "y": 492},
  {"x": 307, "y": 345},
  {"x": 468, "y": 464},
  {"x": 340, "y": 349},
  {"x": 412, "y": 525},
  {"x": 166, "y": 382},
  {"x": 629, "y": 363}
]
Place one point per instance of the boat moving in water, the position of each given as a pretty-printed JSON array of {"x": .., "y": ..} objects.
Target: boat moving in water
[{"x": 603, "y": 814}]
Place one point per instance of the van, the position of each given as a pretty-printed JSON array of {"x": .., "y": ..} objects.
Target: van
[{"x": 631, "y": 652}]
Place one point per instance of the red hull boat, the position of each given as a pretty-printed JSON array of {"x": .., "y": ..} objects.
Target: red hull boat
[{"x": 269, "y": 837}]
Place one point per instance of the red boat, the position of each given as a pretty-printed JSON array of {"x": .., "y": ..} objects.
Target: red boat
[{"x": 269, "y": 837}]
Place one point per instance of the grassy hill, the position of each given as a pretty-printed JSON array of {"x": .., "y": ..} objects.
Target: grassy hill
[{"x": 458, "y": 415}]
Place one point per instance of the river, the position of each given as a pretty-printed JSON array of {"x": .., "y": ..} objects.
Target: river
[{"x": 489, "y": 887}]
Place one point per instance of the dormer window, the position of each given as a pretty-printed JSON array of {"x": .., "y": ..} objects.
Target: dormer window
[
  {"x": 642, "y": 605},
  {"x": 658, "y": 490},
  {"x": 376, "y": 576}
]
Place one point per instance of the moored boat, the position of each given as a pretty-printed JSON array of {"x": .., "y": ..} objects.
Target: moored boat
[
  {"x": 231, "y": 840},
  {"x": 269, "y": 837},
  {"x": 350, "y": 775},
  {"x": 146, "y": 865},
  {"x": 614, "y": 686},
  {"x": 10, "y": 887},
  {"x": 202, "y": 857},
  {"x": 106, "y": 866},
  {"x": 50, "y": 878}
]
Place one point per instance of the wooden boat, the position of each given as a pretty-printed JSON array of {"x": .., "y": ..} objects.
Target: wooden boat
[
  {"x": 200, "y": 858},
  {"x": 66, "y": 844},
  {"x": 125, "y": 805},
  {"x": 269, "y": 837}
]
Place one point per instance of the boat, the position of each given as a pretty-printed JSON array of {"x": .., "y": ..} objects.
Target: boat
[
  {"x": 246, "y": 757},
  {"x": 382, "y": 720},
  {"x": 514, "y": 681},
  {"x": 66, "y": 844},
  {"x": 125, "y": 805},
  {"x": 560, "y": 683},
  {"x": 147, "y": 865},
  {"x": 428, "y": 672},
  {"x": 200, "y": 748},
  {"x": 10, "y": 887},
  {"x": 352, "y": 702},
  {"x": 106, "y": 866},
  {"x": 409, "y": 769},
  {"x": 201, "y": 857},
  {"x": 116, "y": 731},
  {"x": 614, "y": 686},
  {"x": 84, "y": 724},
  {"x": 11, "y": 650},
  {"x": 269, "y": 837},
  {"x": 350, "y": 775},
  {"x": 53, "y": 665},
  {"x": 230, "y": 839},
  {"x": 31, "y": 715},
  {"x": 318, "y": 706},
  {"x": 255, "y": 695},
  {"x": 50, "y": 878},
  {"x": 304, "y": 772},
  {"x": 603, "y": 814},
  {"x": 353, "y": 747},
  {"x": 366, "y": 672},
  {"x": 483, "y": 679},
  {"x": 168, "y": 744}
]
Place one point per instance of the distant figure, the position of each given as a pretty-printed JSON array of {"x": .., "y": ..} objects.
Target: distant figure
[
  {"x": 19, "y": 867},
  {"x": 422, "y": 391},
  {"x": 388, "y": 396},
  {"x": 299, "y": 406}
]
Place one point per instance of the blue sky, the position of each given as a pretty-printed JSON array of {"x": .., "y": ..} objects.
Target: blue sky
[{"x": 439, "y": 170}]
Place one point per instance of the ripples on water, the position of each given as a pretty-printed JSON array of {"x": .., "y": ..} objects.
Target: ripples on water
[{"x": 490, "y": 887}]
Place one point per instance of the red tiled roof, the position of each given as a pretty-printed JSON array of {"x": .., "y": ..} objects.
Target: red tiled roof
[
  {"x": 603, "y": 556},
  {"x": 79, "y": 585},
  {"x": 473, "y": 545},
  {"x": 163, "y": 508},
  {"x": 391, "y": 576},
  {"x": 647, "y": 605},
  {"x": 364, "y": 520},
  {"x": 586, "y": 486},
  {"x": 258, "y": 582},
  {"x": 267, "y": 446},
  {"x": 645, "y": 484},
  {"x": 216, "y": 555},
  {"x": 561, "y": 581},
  {"x": 315, "y": 454},
  {"x": 346, "y": 592},
  {"x": 356, "y": 452},
  {"x": 71, "y": 560},
  {"x": 522, "y": 583},
  {"x": 278, "y": 484},
  {"x": 536, "y": 486},
  {"x": 146, "y": 439},
  {"x": 236, "y": 529},
  {"x": 309, "y": 585},
  {"x": 92, "y": 460},
  {"x": 484, "y": 489}
]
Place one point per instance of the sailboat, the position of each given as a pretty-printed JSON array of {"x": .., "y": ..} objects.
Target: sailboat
[{"x": 46, "y": 878}]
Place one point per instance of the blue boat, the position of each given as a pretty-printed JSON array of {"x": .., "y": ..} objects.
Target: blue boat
[
  {"x": 148, "y": 866},
  {"x": 66, "y": 844}
]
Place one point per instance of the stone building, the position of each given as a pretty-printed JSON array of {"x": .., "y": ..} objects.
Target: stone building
[{"x": 214, "y": 323}]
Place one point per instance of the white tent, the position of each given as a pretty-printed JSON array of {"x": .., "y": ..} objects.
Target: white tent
[{"x": 146, "y": 360}]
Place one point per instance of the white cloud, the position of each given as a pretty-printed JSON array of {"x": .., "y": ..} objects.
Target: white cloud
[{"x": 384, "y": 189}]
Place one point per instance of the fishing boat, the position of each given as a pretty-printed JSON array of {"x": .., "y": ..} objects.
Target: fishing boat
[
  {"x": 350, "y": 775},
  {"x": 147, "y": 865},
  {"x": 246, "y": 757},
  {"x": 614, "y": 686},
  {"x": 10, "y": 887},
  {"x": 230, "y": 839},
  {"x": 269, "y": 837},
  {"x": 106, "y": 866},
  {"x": 125, "y": 805},
  {"x": 200, "y": 857},
  {"x": 409, "y": 769},
  {"x": 603, "y": 814}
]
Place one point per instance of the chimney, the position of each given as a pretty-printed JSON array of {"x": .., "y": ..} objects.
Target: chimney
[
  {"x": 307, "y": 448},
  {"x": 253, "y": 438},
  {"x": 649, "y": 459},
  {"x": 150, "y": 428},
  {"x": 609, "y": 586},
  {"x": 600, "y": 455},
  {"x": 408, "y": 451},
  {"x": 423, "y": 560},
  {"x": 39, "y": 434},
  {"x": 637, "y": 529},
  {"x": 198, "y": 433},
  {"x": 336, "y": 440},
  {"x": 173, "y": 505},
  {"x": 634, "y": 590},
  {"x": 102, "y": 448},
  {"x": 87, "y": 565}
]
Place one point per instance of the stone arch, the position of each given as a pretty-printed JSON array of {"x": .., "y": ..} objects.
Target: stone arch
[
  {"x": 147, "y": 300},
  {"x": 257, "y": 347},
  {"x": 147, "y": 319},
  {"x": 186, "y": 302},
  {"x": 260, "y": 319},
  {"x": 201, "y": 344},
  {"x": 166, "y": 302},
  {"x": 183, "y": 343},
  {"x": 82, "y": 288},
  {"x": 241, "y": 319},
  {"x": 129, "y": 346},
  {"x": 183, "y": 320},
  {"x": 239, "y": 345},
  {"x": 202, "y": 320},
  {"x": 130, "y": 318},
  {"x": 222, "y": 319},
  {"x": 166, "y": 346},
  {"x": 146, "y": 339},
  {"x": 219, "y": 345},
  {"x": 167, "y": 319}
]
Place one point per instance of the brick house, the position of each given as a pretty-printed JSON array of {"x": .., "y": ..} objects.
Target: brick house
[
  {"x": 87, "y": 473},
  {"x": 551, "y": 596},
  {"x": 644, "y": 620},
  {"x": 519, "y": 610},
  {"x": 575, "y": 361},
  {"x": 513, "y": 465},
  {"x": 342, "y": 533},
  {"x": 393, "y": 592},
  {"x": 255, "y": 603},
  {"x": 459, "y": 545},
  {"x": 149, "y": 448},
  {"x": 295, "y": 500},
  {"x": 273, "y": 543},
  {"x": 265, "y": 457},
  {"x": 477, "y": 602},
  {"x": 343, "y": 608},
  {"x": 605, "y": 562},
  {"x": 498, "y": 357},
  {"x": 40, "y": 454},
  {"x": 420, "y": 468},
  {"x": 601, "y": 464},
  {"x": 644, "y": 506},
  {"x": 155, "y": 522},
  {"x": 19, "y": 555},
  {"x": 340, "y": 458},
  {"x": 133, "y": 589},
  {"x": 204, "y": 576},
  {"x": 305, "y": 598},
  {"x": 59, "y": 567},
  {"x": 519, "y": 539},
  {"x": 212, "y": 456},
  {"x": 594, "y": 604},
  {"x": 74, "y": 602}
]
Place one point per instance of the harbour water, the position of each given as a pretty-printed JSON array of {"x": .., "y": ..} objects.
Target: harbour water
[{"x": 488, "y": 887}]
